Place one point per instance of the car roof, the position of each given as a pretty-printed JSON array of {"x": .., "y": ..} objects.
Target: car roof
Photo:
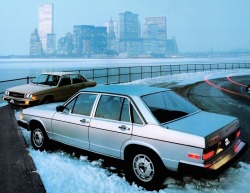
[
  {"x": 130, "y": 90},
  {"x": 60, "y": 73}
]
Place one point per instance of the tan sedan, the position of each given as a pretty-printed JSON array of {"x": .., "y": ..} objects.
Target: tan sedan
[{"x": 46, "y": 88}]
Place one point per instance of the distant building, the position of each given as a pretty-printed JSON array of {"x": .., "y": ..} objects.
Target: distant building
[
  {"x": 81, "y": 33},
  {"x": 112, "y": 27},
  {"x": 112, "y": 37},
  {"x": 65, "y": 46},
  {"x": 129, "y": 26},
  {"x": 35, "y": 45},
  {"x": 88, "y": 40},
  {"x": 51, "y": 44},
  {"x": 154, "y": 34},
  {"x": 172, "y": 48},
  {"x": 99, "y": 41},
  {"x": 130, "y": 34},
  {"x": 45, "y": 23}
]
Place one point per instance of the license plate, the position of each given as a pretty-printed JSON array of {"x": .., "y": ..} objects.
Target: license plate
[{"x": 227, "y": 142}]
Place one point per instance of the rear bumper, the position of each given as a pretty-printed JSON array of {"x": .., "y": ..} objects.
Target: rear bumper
[{"x": 217, "y": 166}]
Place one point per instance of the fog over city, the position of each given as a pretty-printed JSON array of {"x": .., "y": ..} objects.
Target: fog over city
[{"x": 198, "y": 25}]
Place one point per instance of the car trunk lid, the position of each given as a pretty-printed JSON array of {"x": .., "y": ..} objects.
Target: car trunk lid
[{"x": 213, "y": 127}]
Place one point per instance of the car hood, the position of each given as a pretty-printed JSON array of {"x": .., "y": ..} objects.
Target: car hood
[
  {"x": 46, "y": 110},
  {"x": 29, "y": 88},
  {"x": 211, "y": 126}
]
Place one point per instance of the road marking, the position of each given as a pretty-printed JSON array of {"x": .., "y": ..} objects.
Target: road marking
[
  {"x": 229, "y": 79},
  {"x": 223, "y": 89}
]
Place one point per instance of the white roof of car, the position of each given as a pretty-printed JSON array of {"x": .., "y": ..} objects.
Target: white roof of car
[
  {"x": 129, "y": 90},
  {"x": 60, "y": 73}
]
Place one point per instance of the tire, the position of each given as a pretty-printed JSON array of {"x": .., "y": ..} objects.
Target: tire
[
  {"x": 145, "y": 168},
  {"x": 39, "y": 138}
]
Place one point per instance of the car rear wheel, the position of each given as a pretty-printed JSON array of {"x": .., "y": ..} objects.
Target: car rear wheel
[
  {"x": 39, "y": 138},
  {"x": 145, "y": 169}
]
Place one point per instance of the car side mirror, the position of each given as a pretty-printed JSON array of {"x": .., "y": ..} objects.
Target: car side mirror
[{"x": 59, "y": 108}]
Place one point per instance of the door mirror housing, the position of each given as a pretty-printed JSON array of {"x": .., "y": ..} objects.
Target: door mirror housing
[{"x": 60, "y": 108}]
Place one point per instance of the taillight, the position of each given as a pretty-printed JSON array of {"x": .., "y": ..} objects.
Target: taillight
[
  {"x": 194, "y": 156},
  {"x": 238, "y": 134},
  {"x": 208, "y": 155}
]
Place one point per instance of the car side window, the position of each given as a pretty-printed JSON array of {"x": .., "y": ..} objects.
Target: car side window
[
  {"x": 68, "y": 108},
  {"x": 135, "y": 117},
  {"x": 82, "y": 104},
  {"x": 114, "y": 108},
  {"x": 76, "y": 79},
  {"x": 65, "y": 80},
  {"x": 53, "y": 80}
]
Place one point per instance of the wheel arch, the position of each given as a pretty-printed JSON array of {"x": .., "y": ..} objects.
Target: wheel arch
[
  {"x": 139, "y": 146},
  {"x": 35, "y": 122}
]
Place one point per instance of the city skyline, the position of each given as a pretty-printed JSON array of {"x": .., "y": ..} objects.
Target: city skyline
[{"x": 197, "y": 25}]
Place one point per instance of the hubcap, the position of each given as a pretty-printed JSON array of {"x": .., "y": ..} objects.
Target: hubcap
[
  {"x": 38, "y": 137},
  {"x": 143, "y": 167}
]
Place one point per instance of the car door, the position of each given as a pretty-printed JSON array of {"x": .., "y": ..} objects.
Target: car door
[
  {"x": 64, "y": 89},
  {"x": 77, "y": 82},
  {"x": 72, "y": 124},
  {"x": 111, "y": 126}
]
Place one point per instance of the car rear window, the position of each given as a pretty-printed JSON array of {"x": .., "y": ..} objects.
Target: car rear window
[{"x": 167, "y": 106}]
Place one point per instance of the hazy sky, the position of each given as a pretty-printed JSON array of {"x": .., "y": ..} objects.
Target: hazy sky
[{"x": 198, "y": 25}]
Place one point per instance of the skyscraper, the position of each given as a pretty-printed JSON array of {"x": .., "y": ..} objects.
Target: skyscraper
[
  {"x": 65, "y": 46},
  {"x": 112, "y": 37},
  {"x": 35, "y": 45},
  {"x": 45, "y": 23},
  {"x": 51, "y": 44},
  {"x": 130, "y": 34},
  {"x": 129, "y": 26},
  {"x": 155, "y": 27},
  {"x": 88, "y": 39},
  {"x": 82, "y": 34},
  {"x": 155, "y": 36}
]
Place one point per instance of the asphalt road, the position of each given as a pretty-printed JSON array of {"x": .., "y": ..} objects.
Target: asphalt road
[{"x": 224, "y": 96}]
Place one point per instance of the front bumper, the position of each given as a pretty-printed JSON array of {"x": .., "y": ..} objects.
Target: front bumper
[
  {"x": 23, "y": 124},
  {"x": 217, "y": 166},
  {"x": 20, "y": 101}
]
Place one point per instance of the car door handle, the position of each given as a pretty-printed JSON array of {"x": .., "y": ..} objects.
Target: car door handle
[
  {"x": 123, "y": 127},
  {"x": 84, "y": 121}
]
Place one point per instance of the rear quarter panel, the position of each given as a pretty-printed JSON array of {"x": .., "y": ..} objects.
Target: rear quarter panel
[{"x": 171, "y": 146}]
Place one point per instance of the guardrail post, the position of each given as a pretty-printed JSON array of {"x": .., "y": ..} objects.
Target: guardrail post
[
  {"x": 141, "y": 72},
  {"x": 129, "y": 74},
  {"x": 119, "y": 72},
  {"x": 107, "y": 76},
  {"x": 28, "y": 79}
]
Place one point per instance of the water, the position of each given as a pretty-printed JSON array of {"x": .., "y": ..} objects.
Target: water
[{"x": 21, "y": 68}]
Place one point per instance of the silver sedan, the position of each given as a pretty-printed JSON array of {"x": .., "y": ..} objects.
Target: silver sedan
[{"x": 152, "y": 129}]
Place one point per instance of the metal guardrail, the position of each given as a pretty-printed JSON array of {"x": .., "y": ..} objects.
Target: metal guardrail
[{"x": 127, "y": 74}]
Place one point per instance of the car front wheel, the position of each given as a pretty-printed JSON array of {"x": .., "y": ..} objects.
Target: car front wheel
[
  {"x": 39, "y": 139},
  {"x": 145, "y": 169}
]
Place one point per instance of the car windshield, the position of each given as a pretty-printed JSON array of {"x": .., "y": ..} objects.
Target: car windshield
[
  {"x": 167, "y": 106},
  {"x": 46, "y": 79}
]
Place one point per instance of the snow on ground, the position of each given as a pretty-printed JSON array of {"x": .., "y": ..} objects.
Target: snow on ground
[
  {"x": 62, "y": 172},
  {"x": 189, "y": 78}
]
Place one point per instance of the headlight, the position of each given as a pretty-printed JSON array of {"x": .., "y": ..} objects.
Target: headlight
[
  {"x": 21, "y": 115},
  {"x": 28, "y": 96},
  {"x": 7, "y": 93}
]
